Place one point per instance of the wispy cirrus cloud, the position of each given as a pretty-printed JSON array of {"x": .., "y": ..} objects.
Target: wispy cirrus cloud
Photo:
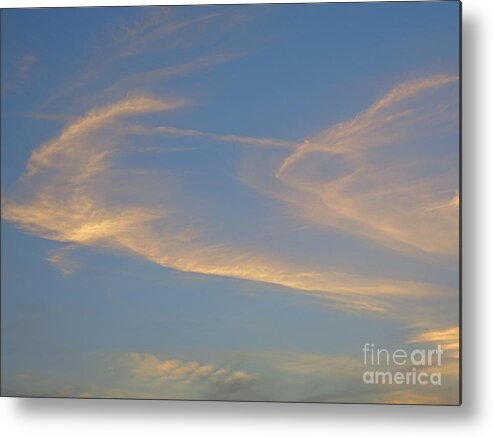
[
  {"x": 447, "y": 337},
  {"x": 59, "y": 152},
  {"x": 61, "y": 260},
  {"x": 73, "y": 182},
  {"x": 21, "y": 68},
  {"x": 161, "y": 25},
  {"x": 144, "y": 79},
  {"x": 159, "y": 30},
  {"x": 228, "y": 138},
  {"x": 361, "y": 175}
]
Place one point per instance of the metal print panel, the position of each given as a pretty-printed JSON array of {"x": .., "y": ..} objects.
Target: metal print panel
[{"x": 248, "y": 203}]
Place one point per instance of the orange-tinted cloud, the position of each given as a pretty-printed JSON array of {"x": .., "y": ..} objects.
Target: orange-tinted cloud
[{"x": 363, "y": 177}]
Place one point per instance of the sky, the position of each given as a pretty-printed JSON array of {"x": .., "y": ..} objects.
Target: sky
[{"x": 229, "y": 202}]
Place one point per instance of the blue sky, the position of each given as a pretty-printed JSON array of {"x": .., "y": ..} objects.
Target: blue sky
[{"x": 228, "y": 202}]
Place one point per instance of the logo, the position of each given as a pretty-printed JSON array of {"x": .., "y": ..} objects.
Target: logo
[{"x": 402, "y": 367}]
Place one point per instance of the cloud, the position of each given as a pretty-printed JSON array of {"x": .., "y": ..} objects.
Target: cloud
[
  {"x": 60, "y": 260},
  {"x": 312, "y": 364},
  {"x": 21, "y": 71},
  {"x": 412, "y": 397},
  {"x": 143, "y": 79},
  {"x": 56, "y": 153},
  {"x": 178, "y": 132},
  {"x": 448, "y": 339},
  {"x": 237, "y": 385},
  {"x": 164, "y": 27},
  {"x": 207, "y": 380},
  {"x": 363, "y": 176},
  {"x": 155, "y": 31},
  {"x": 298, "y": 376},
  {"x": 25, "y": 64},
  {"x": 76, "y": 190},
  {"x": 141, "y": 376},
  {"x": 276, "y": 376},
  {"x": 91, "y": 391},
  {"x": 148, "y": 366},
  {"x": 308, "y": 364},
  {"x": 42, "y": 385}
]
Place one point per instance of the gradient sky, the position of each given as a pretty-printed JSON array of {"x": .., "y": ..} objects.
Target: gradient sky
[{"x": 228, "y": 202}]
